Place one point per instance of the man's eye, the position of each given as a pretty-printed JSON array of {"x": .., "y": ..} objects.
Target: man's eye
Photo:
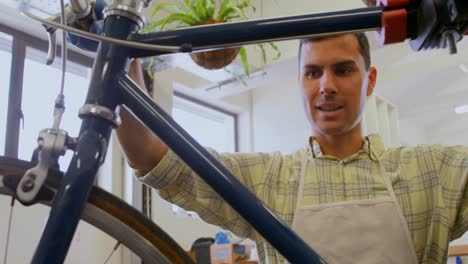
[
  {"x": 343, "y": 71},
  {"x": 313, "y": 74}
]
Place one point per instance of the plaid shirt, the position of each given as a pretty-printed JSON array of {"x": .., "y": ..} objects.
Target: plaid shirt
[{"x": 429, "y": 183}]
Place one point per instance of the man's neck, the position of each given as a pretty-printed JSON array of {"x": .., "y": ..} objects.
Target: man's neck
[{"x": 340, "y": 146}]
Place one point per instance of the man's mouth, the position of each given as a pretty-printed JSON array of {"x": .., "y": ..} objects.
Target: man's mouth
[{"x": 329, "y": 107}]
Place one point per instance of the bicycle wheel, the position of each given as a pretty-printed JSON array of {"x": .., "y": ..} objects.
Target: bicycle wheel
[{"x": 113, "y": 216}]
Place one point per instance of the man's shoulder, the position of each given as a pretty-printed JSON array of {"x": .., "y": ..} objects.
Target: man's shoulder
[
  {"x": 425, "y": 147},
  {"x": 413, "y": 149},
  {"x": 437, "y": 151},
  {"x": 277, "y": 153}
]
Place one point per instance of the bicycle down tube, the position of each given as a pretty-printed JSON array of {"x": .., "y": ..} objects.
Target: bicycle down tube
[{"x": 110, "y": 86}]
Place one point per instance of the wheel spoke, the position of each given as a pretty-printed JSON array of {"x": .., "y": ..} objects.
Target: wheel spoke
[
  {"x": 112, "y": 252},
  {"x": 5, "y": 256}
]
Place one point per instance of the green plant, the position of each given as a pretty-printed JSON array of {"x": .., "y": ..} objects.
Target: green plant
[{"x": 199, "y": 12}]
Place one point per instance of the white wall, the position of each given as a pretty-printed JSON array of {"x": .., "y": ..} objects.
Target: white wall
[
  {"x": 451, "y": 131},
  {"x": 412, "y": 133},
  {"x": 277, "y": 111}
]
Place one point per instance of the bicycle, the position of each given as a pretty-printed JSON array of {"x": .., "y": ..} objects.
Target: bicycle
[{"x": 110, "y": 87}]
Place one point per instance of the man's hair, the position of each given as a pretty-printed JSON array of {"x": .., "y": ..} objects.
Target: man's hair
[{"x": 362, "y": 41}]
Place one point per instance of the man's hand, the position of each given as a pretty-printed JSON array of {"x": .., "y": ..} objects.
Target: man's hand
[{"x": 369, "y": 2}]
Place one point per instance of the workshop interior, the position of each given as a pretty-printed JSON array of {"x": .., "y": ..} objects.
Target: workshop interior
[{"x": 251, "y": 104}]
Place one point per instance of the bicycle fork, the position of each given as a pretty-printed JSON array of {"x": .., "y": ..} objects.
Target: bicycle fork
[{"x": 99, "y": 117}]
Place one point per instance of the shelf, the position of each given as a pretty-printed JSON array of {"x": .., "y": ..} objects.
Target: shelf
[{"x": 461, "y": 250}]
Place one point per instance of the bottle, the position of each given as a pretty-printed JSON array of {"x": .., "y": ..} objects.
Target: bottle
[{"x": 221, "y": 238}]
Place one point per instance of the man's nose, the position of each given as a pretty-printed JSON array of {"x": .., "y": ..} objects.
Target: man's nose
[{"x": 327, "y": 83}]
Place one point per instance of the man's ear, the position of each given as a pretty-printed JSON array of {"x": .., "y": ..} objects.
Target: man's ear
[{"x": 372, "y": 79}]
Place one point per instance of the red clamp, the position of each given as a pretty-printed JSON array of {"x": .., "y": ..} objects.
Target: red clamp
[
  {"x": 394, "y": 26},
  {"x": 394, "y": 22},
  {"x": 393, "y": 3}
]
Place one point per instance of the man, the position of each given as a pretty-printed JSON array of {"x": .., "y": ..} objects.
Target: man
[{"x": 348, "y": 197}]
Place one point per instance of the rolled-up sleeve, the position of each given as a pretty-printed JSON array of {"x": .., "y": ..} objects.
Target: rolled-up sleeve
[
  {"x": 178, "y": 184},
  {"x": 453, "y": 170}
]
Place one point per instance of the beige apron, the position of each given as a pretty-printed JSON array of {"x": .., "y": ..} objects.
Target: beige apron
[{"x": 362, "y": 231}]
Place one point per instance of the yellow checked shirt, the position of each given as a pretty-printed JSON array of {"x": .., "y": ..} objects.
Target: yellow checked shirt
[{"x": 429, "y": 183}]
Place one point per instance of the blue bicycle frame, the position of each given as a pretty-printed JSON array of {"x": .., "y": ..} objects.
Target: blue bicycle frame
[{"x": 110, "y": 86}]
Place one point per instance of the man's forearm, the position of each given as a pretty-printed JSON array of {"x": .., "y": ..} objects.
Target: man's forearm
[{"x": 141, "y": 147}]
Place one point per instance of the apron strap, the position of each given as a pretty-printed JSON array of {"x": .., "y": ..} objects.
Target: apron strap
[{"x": 300, "y": 193}]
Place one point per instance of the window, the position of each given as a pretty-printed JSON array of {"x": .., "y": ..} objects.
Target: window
[
  {"x": 211, "y": 127},
  {"x": 27, "y": 102},
  {"x": 5, "y": 61},
  {"x": 37, "y": 87},
  {"x": 41, "y": 86}
]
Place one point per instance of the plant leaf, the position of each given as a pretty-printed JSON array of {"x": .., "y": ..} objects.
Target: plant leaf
[
  {"x": 169, "y": 6},
  {"x": 187, "y": 19},
  {"x": 245, "y": 62},
  {"x": 235, "y": 11},
  {"x": 238, "y": 77},
  {"x": 224, "y": 6},
  {"x": 263, "y": 50},
  {"x": 210, "y": 8},
  {"x": 201, "y": 9},
  {"x": 191, "y": 8},
  {"x": 275, "y": 48},
  {"x": 175, "y": 17},
  {"x": 231, "y": 18},
  {"x": 153, "y": 25},
  {"x": 149, "y": 70},
  {"x": 242, "y": 13},
  {"x": 230, "y": 11},
  {"x": 243, "y": 4}
]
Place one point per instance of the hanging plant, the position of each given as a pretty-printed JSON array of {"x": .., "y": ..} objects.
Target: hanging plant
[{"x": 204, "y": 12}]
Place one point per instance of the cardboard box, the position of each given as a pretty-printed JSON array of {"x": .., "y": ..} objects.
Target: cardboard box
[{"x": 228, "y": 253}]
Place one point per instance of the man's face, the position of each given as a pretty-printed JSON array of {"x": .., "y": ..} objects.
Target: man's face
[{"x": 334, "y": 84}]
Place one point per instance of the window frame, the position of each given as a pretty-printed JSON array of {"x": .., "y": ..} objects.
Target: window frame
[
  {"x": 20, "y": 42},
  {"x": 234, "y": 115}
]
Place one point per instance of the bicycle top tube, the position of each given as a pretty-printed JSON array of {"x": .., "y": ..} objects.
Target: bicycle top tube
[{"x": 262, "y": 30}]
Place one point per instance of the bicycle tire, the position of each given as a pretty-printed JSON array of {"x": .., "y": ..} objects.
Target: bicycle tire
[{"x": 114, "y": 217}]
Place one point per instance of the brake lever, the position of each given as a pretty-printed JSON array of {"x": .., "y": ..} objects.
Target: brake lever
[
  {"x": 51, "y": 33},
  {"x": 52, "y": 44},
  {"x": 81, "y": 10}
]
